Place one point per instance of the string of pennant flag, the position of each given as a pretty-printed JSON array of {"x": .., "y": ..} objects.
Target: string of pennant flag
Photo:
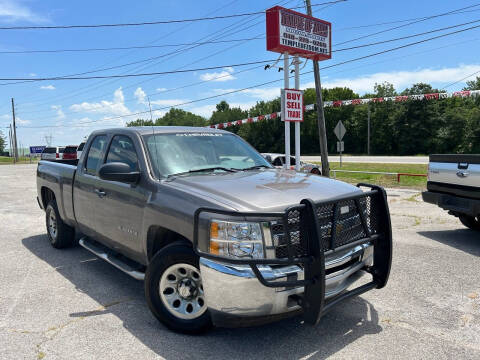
[{"x": 338, "y": 103}]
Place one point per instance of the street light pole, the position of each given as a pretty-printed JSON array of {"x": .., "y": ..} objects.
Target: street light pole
[{"x": 322, "y": 132}]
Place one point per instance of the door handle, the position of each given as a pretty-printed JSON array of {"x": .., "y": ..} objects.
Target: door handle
[
  {"x": 100, "y": 193},
  {"x": 462, "y": 174}
]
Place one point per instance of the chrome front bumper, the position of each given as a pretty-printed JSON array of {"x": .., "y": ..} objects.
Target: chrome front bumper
[{"x": 235, "y": 291}]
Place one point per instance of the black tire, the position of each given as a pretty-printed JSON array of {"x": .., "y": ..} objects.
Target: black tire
[
  {"x": 176, "y": 253},
  {"x": 64, "y": 235},
  {"x": 316, "y": 171},
  {"x": 470, "y": 222}
]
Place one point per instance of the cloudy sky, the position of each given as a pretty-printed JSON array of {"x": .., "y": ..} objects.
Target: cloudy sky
[{"x": 70, "y": 110}]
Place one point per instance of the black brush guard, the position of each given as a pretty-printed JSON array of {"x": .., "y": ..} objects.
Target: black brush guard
[{"x": 315, "y": 218}]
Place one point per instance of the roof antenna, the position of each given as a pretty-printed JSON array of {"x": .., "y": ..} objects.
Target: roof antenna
[{"x": 153, "y": 131}]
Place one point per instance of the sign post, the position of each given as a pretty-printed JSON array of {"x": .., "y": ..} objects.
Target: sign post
[
  {"x": 340, "y": 133},
  {"x": 293, "y": 33}
]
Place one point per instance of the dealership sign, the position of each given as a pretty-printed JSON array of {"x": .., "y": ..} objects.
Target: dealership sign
[
  {"x": 298, "y": 34},
  {"x": 36, "y": 149},
  {"x": 292, "y": 105}
]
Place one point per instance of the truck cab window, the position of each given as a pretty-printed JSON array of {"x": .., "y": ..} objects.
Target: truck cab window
[
  {"x": 122, "y": 150},
  {"x": 95, "y": 154}
]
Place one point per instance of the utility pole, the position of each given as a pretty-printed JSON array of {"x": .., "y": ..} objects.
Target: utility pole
[
  {"x": 322, "y": 132},
  {"x": 286, "y": 85},
  {"x": 368, "y": 130},
  {"x": 14, "y": 132}
]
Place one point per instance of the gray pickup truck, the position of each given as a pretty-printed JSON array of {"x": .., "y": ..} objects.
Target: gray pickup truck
[
  {"x": 217, "y": 234},
  {"x": 454, "y": 185}
]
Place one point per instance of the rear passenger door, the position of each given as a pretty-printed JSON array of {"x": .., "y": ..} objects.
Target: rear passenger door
[
  {"x": 85, "y": 197},
  {"x": 120, "y": 213}
]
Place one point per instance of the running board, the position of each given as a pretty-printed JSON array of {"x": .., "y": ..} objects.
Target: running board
[{"x": 110, "y": 258}]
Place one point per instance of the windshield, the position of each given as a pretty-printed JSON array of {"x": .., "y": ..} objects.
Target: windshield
[{"x": 176, "y": 153}]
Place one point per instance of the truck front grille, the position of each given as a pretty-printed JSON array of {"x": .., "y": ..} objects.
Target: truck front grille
[{"x": 348, "y": 226}]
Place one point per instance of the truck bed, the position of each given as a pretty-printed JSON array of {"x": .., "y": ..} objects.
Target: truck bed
[
  {"x": 58, "y": 177},
  {"x": 454, "y": 172}
]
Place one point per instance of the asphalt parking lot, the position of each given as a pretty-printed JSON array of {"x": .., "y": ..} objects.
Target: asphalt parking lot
[{"x": 58, "y": 304}]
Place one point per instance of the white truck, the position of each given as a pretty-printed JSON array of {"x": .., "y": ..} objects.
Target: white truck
[{"x": 454, "y": 185}]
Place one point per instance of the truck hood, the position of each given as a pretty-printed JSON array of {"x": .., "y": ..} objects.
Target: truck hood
[{"x": 263, "y": 190}]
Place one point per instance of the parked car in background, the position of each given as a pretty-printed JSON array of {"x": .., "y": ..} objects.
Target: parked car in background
[
  {"x": 52, "y": 153},
  {"x": 454, "y": 185},
  {"x": 80, "y": 149},
  {"x": 278, "y": 160},
  {"x": 70, "y": 152}
]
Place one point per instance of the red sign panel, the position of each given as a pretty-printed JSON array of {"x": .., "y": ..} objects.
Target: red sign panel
[
  {"x": 292, "y": 105},
  {"x": 298, "y": 34}
]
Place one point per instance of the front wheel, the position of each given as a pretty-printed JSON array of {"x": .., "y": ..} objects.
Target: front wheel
[
  {"x": 174, "y": 290},
  {"x": 472, "y": 222}
]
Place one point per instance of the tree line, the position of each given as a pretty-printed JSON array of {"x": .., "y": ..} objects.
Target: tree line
[{"x": 450, "y": 125}]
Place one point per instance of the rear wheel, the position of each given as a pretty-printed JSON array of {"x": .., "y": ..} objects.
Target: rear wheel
[
  {"x": 315, "y": 171},
  {"x": 60, "y": 234},
  {"x": 174, "y": 290},
  {"x": 472, "y": 222}
]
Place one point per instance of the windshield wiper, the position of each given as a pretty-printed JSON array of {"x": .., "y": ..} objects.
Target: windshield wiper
[
  {"x": 254, "y": 167},
  {"x": 202, "y": 170}
]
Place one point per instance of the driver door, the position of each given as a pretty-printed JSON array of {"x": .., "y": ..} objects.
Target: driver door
[{"x": 120, "y": 210}]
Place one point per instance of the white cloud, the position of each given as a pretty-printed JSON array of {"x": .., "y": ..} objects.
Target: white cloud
[
  {"x": 11, "y": 11},
  {"x": 224, "y": 75},
  {"x": 161, "y": 89},
  {"x": 60, "y": 113},
  {"x": 402, "y": 79},
  {"x": 32, "y": 74},
  {"x": 20, "y": 121},
  {"x": 110, "y": 108},
  {"x": 140, "y": 95},
  {"x": 47, "y": 87}
]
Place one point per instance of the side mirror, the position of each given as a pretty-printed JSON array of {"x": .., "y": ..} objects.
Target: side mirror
[
  {"x": 268, "y": 158},
  {"x": 118, "y": 171}
]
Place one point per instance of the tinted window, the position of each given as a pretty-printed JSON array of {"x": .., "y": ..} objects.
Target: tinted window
[
  {"x": 50, "y": 150},
  {"x": 95, "y": 154},
  {"x": 123, "y": 150},
  {"x": 70, "y": 150},
  {"x": 61, "y": 150},
  {"x": 80, "y": 147}
]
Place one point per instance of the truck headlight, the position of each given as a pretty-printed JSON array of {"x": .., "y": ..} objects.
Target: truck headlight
[{"x": 229, "y": 239}]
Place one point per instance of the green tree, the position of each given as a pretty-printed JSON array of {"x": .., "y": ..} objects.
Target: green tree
[
  {"x": 384, "y": 89},
  {"x": 473, "y": 84},
  {"x": 2, "y": 142},
  {"x": 174, "y": 117},
  {"x": 420, "y": 88},
  {"x": 225, "y": 113}
]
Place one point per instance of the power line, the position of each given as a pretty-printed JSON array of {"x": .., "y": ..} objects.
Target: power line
[
  {"x": 170, "y": 90},
  {"x": 141, "y": 74},
  {"x": 126, "y": 47},
  {"x": 222, "y": 32},
  {"x": 405, "y": 37},
  {"x": 398, "y": 21},
  {"x": 221, "y": 66},
  {"x": 257, "y": 85},
  {"x": 410, "y": 23},
  {"x": 466, "y": 77},
  {"x": 49, "y": 27}
]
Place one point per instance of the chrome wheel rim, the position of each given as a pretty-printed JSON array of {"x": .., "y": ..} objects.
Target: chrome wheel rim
[
  {"x": 52, "y": 224},
  {"x": 181, "y": 291}
]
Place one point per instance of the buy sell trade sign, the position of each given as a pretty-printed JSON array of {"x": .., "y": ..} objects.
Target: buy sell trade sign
[{"x": 292, "y": 105}]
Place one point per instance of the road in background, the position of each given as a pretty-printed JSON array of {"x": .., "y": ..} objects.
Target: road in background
[
  {"x": 372, "y": 159},
  {"x": 68, "y": 304}
]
